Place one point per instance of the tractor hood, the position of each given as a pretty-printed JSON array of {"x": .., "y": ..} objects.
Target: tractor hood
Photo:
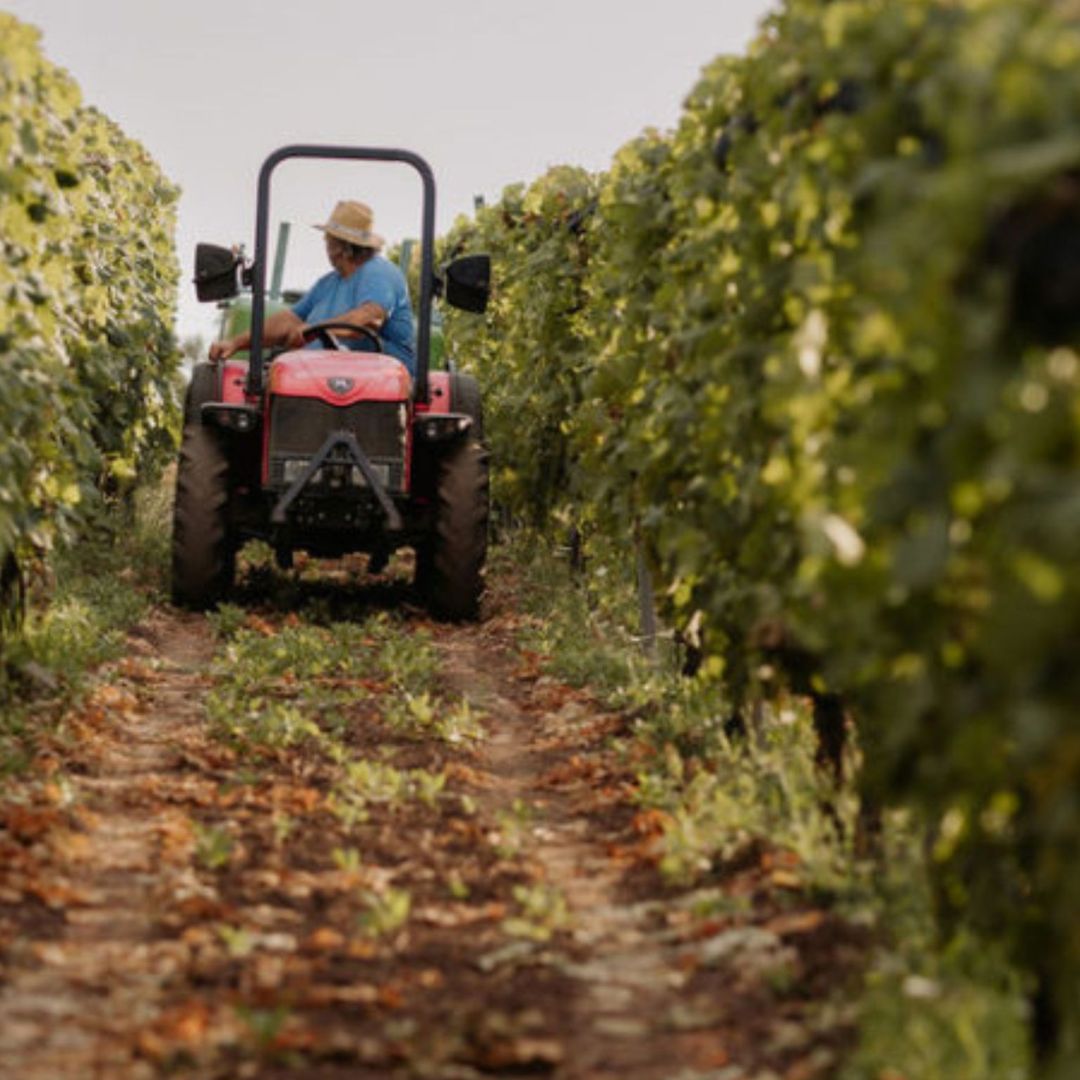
[{"x": 339, "y": 378}]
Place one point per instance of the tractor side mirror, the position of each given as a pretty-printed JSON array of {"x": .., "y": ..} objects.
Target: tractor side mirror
[
  {"x": 468, "y": 283},
  {"x": 216, "y": 272}
]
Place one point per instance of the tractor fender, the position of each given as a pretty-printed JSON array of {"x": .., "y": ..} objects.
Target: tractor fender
[
  {"x": 233, "y": 379},
  {"x": 456, "y": 392},
  {"x": 204, "y": 386},
  {"x": 439, "y": 393}
]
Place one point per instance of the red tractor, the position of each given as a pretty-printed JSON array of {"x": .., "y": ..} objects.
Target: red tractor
[{"x": 331, "y": 451}]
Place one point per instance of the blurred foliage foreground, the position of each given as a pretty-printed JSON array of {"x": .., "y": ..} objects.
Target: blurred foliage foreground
[
  {"x": 88, "y": 280},
  {"x": 817, "y": 350}
]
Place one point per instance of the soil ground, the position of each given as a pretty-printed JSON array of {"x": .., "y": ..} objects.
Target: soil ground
[{"x": 172, "y": 906}]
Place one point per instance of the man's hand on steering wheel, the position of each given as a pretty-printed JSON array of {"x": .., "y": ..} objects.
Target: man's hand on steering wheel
[
  {"x": 321, "y": 332},
  {"x": 295, "y": 338}
]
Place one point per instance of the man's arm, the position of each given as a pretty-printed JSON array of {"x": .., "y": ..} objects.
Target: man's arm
[
  {"x": 368, "y": 315},
  {"x": 281, "y": 328}
]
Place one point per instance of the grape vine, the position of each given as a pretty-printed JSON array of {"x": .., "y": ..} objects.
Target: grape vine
[
  {"x": 820, "y": 347},
  {"x": 87, "y": 292}
]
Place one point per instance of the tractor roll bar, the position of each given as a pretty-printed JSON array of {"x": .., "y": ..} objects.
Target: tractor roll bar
[{"x": 427, "y": 250}]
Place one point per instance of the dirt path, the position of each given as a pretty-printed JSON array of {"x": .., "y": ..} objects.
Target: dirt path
[{"x": 172, "y": 903}]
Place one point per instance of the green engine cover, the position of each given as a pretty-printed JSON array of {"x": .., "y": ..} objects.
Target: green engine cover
[{"x": 236, "y": 316}]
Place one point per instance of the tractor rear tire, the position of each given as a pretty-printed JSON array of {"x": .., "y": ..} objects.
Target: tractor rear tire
[
  {"x": 450, "y": 564},
  {"x": 203, "y": 549}
]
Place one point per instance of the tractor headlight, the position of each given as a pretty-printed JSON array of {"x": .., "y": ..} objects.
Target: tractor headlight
[
  {"x": 381, "y": 471},
  {"x": 439, "y": 426},
  {"x": 292, "y": 468},
  {"x": 231, "y": 417}
]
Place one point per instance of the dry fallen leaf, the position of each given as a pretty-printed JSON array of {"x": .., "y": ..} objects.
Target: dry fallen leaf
[
  {"x": 523, "y": 1052},
  {"x": 796, "y": 922},
  {"x": 70, "y": 846},
  {"x": 176, "y": 834},
  {"x": 136, "y": 670},
  {"x": 186, "y": 1023},
  {"x": 390, "y": 996},
  {"x": 531, "y": 666},
  {"x": 294, "y": 1037},
  {"x": 450, "y": 915},
  {"x": 46, "y": 763},
  {"x": 58, "y": 894},
  {"x": 779, "y": 859},
  {"x": 463, "y": 774},
  {"x": 295, "y": 800},
  {"x": 651, "y": 823},
  {"x": 321, "y": 996},
  {"x": 785, "y": 879},
  {"x": 325, "y": 939},
  {"x": 51, "y": 953},
  {"x": 26, "y": 823},
  {"x": 260, "y": 625}
]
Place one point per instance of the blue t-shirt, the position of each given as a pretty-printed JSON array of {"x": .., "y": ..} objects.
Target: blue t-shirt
[{"x": 377, "y": 281}]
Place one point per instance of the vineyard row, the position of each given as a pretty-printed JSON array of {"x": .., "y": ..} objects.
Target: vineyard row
[{"x": 817, "y": 347}]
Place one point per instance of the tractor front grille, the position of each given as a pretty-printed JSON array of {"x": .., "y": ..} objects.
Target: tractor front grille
[{"x": 300, "y": 426}]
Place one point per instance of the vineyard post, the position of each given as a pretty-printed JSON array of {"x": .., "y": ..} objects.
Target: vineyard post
[{"x": 646, "y": 599}]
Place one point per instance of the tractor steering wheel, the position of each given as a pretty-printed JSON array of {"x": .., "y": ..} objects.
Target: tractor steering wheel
[{"x": 322, "y": 332}]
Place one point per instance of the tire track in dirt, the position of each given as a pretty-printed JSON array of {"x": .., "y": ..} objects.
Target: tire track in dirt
[
  {"x": 69, "y": 1000},
  {"x": 546, "y": 751}
]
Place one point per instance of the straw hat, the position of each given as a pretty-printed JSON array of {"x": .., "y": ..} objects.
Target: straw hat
[{"x": 351, "y": 222}]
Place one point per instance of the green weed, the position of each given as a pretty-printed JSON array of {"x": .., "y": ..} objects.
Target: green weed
[
  {"x": 238, "y": 942},
  {"x": 456, "y": 886},
  {"x": 543, "y": 912},
  {"x": 227, "y": 621},
  {"x": 422, "y": 716},
  {"x": 263, "y": 1025},
  {"x": 283, "y": 826},
  {"x": 366, "y": 782},
  {"x": 213, "y": 847},
  {"x": 346, "y": 859},
  {"x": 408, "y": 660},
  {"x": 582, "y": 625},
  {"x": 764, "y": 786},
  {"x": 385, "y": 912},
  {"x": 958, "y": 1013},
  {"x": 514, "y": 826},
  {"x": 258, "y": 723}
]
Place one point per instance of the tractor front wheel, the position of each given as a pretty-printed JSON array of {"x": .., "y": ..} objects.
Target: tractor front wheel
[
  {"x": 450, "y": 563},
  {"x": 203, "y": 552}
]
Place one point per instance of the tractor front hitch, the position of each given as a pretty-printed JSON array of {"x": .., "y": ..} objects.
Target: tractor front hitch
[{"x": 334, "y": 441}]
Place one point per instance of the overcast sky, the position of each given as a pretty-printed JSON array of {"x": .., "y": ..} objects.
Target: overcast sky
[{"x": 489, "y": 91}]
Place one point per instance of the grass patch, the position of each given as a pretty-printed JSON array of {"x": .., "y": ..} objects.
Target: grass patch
[
  {"x": 279, "y": 686},
  {"x": 300, "y": 683},
  {"x": 78, "y": 611},
  {"x": 581, "y": 624}
]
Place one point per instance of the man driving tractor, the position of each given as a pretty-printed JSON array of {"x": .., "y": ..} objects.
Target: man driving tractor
[{"x": 364, "y": 289}]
